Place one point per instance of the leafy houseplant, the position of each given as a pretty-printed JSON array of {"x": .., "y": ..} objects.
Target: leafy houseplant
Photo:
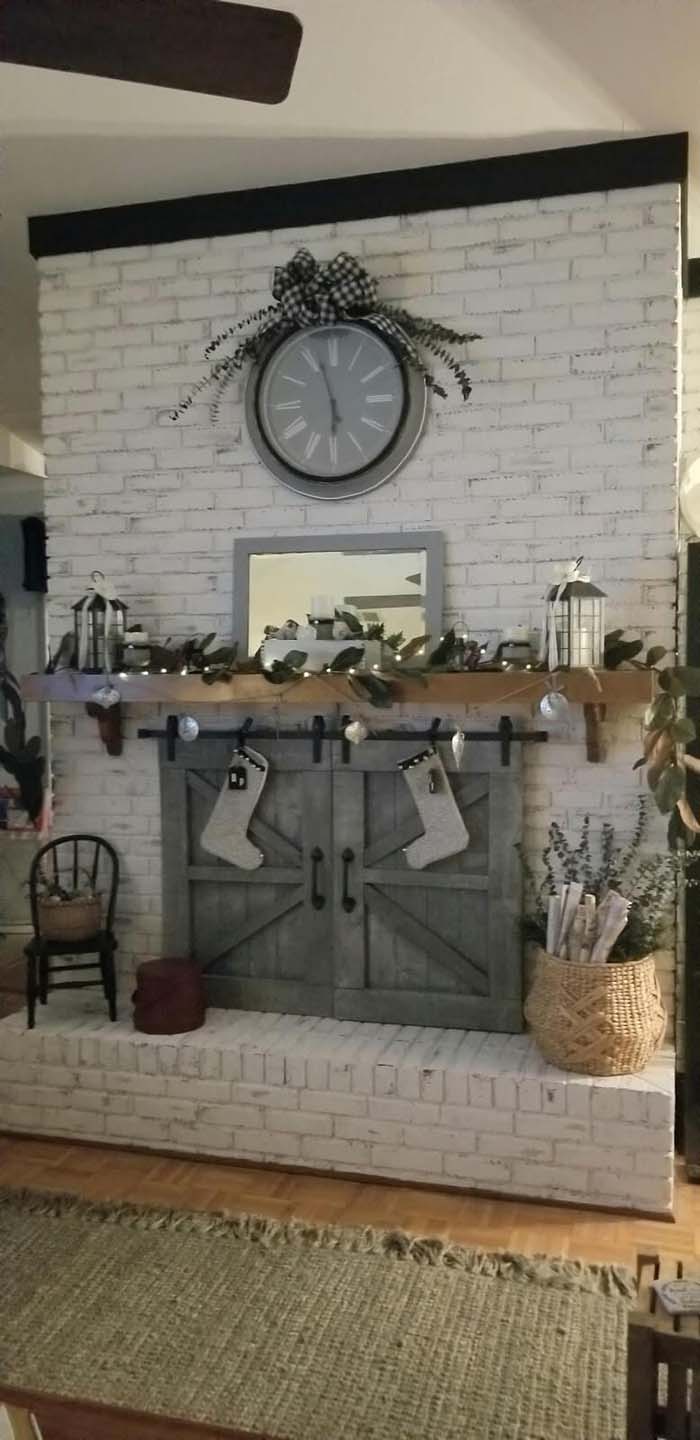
[
  {"x": 600, "y": 863},
  {"x": 602, "y": 1019},
  {"x": 666, "y": 732}
]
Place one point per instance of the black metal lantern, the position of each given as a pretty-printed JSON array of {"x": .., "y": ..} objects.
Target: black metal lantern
[
  {"x": 99, "y": 623},
  {"x": 576, "y": 621}
]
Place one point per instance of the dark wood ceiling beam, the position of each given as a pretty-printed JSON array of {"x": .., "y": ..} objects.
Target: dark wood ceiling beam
[{"x": 608, "y": 165}]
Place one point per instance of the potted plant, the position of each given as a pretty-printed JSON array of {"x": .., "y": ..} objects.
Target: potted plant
[
  {"x": 70, "y": 913},
  {"x": 602, "y": 1018}
]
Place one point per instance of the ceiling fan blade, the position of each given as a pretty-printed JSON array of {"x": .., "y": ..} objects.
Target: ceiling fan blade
[{"x": 209, "y": 46}]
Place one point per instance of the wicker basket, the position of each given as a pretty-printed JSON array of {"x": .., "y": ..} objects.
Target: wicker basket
[
  {"x": 596, "y": 1019},
  {"x": 78, "y": 919}
]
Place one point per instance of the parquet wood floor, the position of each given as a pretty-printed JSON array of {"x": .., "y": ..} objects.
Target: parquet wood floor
[{"x": 113, "y": 1174}]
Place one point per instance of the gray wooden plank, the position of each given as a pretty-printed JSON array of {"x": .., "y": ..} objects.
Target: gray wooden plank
[
  {"x": 349, "y": 944},
  {"x": 438, "y": 949},
  {"x": 230, "y": 875},
  {"x": 416, "y": 879},
  {"x": 255, "y": 922},
  {"x": 177, "y": 929},
  {"x": 505, "y": 889},
  {"x": 286, "y": 997}
]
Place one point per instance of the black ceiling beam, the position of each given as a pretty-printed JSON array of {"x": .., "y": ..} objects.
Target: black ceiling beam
[
  {"x": 609, "y": 165},
  {"x": 242, "y": 52}
]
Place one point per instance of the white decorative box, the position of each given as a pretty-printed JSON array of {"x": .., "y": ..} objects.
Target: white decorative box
[{"x": 319, "y": 653}]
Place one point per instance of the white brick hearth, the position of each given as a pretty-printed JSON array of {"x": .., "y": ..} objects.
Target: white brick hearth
[{"x": 444, "y": 1107}]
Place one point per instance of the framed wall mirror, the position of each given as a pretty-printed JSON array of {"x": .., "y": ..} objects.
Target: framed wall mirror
[{"x": 393, "y": 579}]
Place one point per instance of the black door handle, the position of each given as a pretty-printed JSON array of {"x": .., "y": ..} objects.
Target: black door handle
[
  {"x": 349, "y": 901},
  {"x": 317, "y": 899}
]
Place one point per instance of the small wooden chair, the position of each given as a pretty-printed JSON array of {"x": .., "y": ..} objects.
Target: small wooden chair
[
  {"x": 662, "y": 1348},
  {"x": 64, "y": 861}
]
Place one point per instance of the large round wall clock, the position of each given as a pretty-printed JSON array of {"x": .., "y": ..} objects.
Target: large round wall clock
[{"x": 333, "y": 410}]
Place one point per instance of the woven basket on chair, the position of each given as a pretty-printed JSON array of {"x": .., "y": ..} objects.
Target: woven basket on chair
[
  {"x": 597, "y": 1019},
  {"x": 78, "y": 919}
]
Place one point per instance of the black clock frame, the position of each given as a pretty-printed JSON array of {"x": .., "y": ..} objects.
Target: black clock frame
[{"x": 369, "y": 477}]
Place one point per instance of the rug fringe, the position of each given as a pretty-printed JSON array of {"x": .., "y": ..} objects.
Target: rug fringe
[{"x": 561, "y": 1273}]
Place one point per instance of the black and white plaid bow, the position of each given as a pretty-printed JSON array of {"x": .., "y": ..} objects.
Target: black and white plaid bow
[{"x": 314, "y": 292}]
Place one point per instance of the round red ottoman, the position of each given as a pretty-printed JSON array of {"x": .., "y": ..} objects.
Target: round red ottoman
[{"x": 169, "y": 997}]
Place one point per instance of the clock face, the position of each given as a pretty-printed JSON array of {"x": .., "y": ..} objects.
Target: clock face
[{"x": 334, "y": 404}]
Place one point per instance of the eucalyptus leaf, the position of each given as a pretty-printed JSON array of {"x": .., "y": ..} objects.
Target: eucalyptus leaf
[
  {"x": 441, "y": 655},
  {"x": 412, "y": 647},
  {"x": 278, "y": 673},
  {"x": 295, "y": 659},
  {"x": 689, "y": 677},
  {"x": 669, "y": 788},
  {"x": 352, "y": 655},
  {"x": 661, "y": 712},
  {"x": 622, "y": 650},
  {"x": 655, "y": 654},
  {"x": 670, "y": 683},
  {"x": 206, "y": 641},
  {"x": 353, "y": 623},
  {"x": 683, "y": 731}
]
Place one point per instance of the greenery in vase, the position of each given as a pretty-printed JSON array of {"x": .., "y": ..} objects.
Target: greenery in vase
[
  {"x": 673, "y": 772},
  {"x": 600, "y": 863}
]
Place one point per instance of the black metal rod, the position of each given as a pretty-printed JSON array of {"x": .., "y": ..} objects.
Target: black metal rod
[{"x": 523, "y": 737}]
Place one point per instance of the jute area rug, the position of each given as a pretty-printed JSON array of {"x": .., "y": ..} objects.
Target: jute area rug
[{"x": 304, "y": 1333}]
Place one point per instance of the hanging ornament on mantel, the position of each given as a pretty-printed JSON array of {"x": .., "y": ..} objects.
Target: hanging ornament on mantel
[
  {"x": 573, "y": 623},
  {"x": 187, "y": 728},
  {"x": 106, "y": 696},
  {"x": 356, "y": 732},
  {"x": 458, "y": 743}
]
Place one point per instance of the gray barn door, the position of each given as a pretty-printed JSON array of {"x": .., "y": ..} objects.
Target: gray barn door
[
  {"x": 438, "y": 946},
  {"x": 262, "y": 937}
]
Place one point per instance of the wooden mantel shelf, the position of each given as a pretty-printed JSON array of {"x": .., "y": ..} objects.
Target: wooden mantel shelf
[{"x": 609, "y": 687}]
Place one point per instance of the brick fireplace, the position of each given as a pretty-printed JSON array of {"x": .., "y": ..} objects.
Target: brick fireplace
[{"x": 568, "y": 445}]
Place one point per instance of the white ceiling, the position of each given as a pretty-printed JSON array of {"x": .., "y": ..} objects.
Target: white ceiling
[{"x": 379, "y": 84}]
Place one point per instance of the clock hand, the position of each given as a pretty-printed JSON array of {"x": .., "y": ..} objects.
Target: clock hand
[{"x": 336, "y": 417}]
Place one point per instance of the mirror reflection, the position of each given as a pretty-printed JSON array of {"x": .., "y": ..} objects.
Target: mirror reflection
[{"x": 384, "y": 588}]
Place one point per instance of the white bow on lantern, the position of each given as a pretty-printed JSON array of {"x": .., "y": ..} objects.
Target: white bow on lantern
[
  {"x": 549, "y": 647},
  {"x": 105, "y": 589}
]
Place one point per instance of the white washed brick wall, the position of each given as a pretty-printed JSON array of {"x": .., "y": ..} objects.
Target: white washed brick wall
[
  {"x": 568, "y": 445},
  {"x": 466, "y": 1110}
]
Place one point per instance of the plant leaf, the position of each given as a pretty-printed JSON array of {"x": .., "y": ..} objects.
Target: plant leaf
[
  {"x": 689, "y": 677},
  {"x": 691, "y": 762},
  {"x": 294, "y": 659},
  {"x": 352, "y": 655},
  {"x": 683, "y": 731},
  {"x": 441, "y": 655},
  {"x": 412, "y": 647},
  {"x": 670, "y": 683},
  {"x": 371, "y": 687},
  {"x": 622, "y": 650},
  {"x": 353, "y": 623},
  {"x": 640, "y": 762},
  {"x": 669, "y": 788},
  {"x": 654, "y": 654}
]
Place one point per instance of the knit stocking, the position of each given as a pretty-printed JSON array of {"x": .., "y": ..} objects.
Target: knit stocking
[
  {"x": 445, "y": 831},
  {"x": 225, "y": 833}
]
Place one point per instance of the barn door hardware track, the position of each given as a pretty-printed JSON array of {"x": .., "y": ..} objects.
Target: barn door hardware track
[{"x": 505, "y": 735}]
